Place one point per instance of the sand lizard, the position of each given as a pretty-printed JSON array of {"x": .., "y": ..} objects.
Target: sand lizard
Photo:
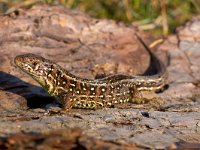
[{"x": 72, "y": 91}]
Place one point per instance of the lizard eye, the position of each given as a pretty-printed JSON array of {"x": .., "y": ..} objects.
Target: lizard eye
[
  {"x": 36, "y": 66},
  {"x": 35, "y": 63}
]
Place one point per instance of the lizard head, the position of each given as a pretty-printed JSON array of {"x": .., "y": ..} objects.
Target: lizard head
[{"x": 36, "y": 66}]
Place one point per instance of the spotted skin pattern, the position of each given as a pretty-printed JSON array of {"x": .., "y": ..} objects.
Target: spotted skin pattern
[{"x": 72, "y": 91}]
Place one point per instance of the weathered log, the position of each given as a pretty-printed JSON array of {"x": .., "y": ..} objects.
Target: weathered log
[{"x": 92, "y": 48}]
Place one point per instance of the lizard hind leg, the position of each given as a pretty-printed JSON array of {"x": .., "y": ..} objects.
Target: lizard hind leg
[
  {"x": 144, "y": 97},
  {"x": 137, "y": 97}
]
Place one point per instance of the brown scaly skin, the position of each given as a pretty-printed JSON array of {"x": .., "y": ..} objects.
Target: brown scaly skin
[{"x": 72, "y": 91}]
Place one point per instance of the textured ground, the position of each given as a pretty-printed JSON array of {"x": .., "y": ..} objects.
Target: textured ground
[{"x": 91, "y": 48}]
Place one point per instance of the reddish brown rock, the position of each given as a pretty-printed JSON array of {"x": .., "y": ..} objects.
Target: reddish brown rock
[{"x": 85, "y": 46}]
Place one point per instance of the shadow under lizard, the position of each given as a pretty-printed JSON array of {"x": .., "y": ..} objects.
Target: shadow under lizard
[{"x": 72, "y": 91}]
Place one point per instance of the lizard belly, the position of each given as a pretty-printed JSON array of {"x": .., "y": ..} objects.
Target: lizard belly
[{"x": 93, "y": 97}]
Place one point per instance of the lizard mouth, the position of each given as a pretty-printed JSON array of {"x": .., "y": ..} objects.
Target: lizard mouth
[
  {"x": 24, "y": 66},
  {"x": 31, "y": 66},
  {"x": 18, "y": 60}
]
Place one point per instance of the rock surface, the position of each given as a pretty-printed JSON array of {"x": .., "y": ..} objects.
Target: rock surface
[{"x": 92, "y": 48}]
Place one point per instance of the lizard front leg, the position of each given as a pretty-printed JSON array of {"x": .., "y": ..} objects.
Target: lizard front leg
[{"x": 67, "y": 102}]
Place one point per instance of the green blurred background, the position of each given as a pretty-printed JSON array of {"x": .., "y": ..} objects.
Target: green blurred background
[{"x": 156, "y": 16}]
